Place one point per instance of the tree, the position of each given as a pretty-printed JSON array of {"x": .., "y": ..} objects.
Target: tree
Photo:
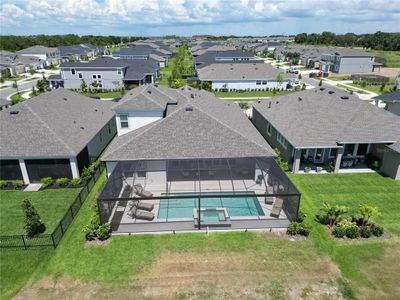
[
  {"x": 320, "y": 82},
  {"x": 33, "y": 223},
  {"x": 83, "y": 86},
  {"x": 206, "y": 85},
  {"x": 382, "y": 88},
  {"x": 177, "y": 83},
  {"x": 31, "y": 70},
  {"x": 299, "y": 76},
  {"x": 279, "y": 79},
  {"x": 42, "y": 86},
  {"x": 34, "y": 91},
  {"x": 333, "y": 212},
  {"x": 367, "y": 212},
  {"x": 2, "y": 79}
]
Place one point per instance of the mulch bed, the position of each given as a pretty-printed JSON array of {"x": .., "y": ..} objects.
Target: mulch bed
[
  {"x": 9, "y": 187},
  {"x": 384, "y": 236},
  {"x": 97, "y": 243}
]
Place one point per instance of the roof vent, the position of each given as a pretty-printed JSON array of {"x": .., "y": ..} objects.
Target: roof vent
[
  {"x": 300, "y": 99},
  {"x": 277, "y": 102},
  {"x": 192, "y": 96},
  {"x": 82, "y": 127},
  {"x": 189, "y": 108},
  {"x": 74, "y": 122},
  {"x": 331, "y": 92},
  {"x": 156, "y": 85},
  {"x": 269, "y": 104},
  {"x": 344, "y": 97},
  {"x": 14, "y": 112},
  {"x": 65, "y": 99},
  {"x": 148, "y": 92},
  {"x": 96, "y": 110},
  {"x": 322, "y": 89}
]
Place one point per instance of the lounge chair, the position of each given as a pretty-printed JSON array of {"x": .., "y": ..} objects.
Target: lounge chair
[
  {"x": 140, "y": 191},
  {"x": 141, "y": 205},
  {"x": 276, "y": 209},
  {"x": 140, "y": 214}
]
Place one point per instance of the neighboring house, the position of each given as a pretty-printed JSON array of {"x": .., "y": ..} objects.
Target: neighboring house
[
  {"x": 244, "y": 76},
  {"x": 4, "y": 103},
  {"x": 54, "y": 134},
  {"x": 201, "y": 147},
  {"x": 347, "y": 61},
  {"x": 79, "y": 52},
  {"x": 144, "y": 52},
  {"x": 17, "y": 64},
  {"x": 47, "y": 54},
  {"x": 106, "y": 73},
  {"x": 232, "y": 56},
  {"x": 398, "y": 82},
  {"x": 320, "y": 126},
  {"x": 392, "y": 101}
]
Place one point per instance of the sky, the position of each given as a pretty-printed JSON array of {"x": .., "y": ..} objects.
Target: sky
[{"x": 187, "y": 17}]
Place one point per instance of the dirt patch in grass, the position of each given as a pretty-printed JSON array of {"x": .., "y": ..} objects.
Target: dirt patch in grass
[
  {"x": 189, "y": 275},
  {"x": 384, "y": 276}
]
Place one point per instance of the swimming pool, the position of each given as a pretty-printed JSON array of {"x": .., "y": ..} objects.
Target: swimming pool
[{"x": 236, "y": 207}]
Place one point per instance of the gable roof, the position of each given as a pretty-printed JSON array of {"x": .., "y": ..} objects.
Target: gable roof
[
  {"x": 321, "y": 119},
  {"x": 59, "y": 123},
  {"x": 38, "y": 49},
  {"x": 389, "y": 97},
  {"x": 240, "y": 71},
  {"x": 100, "y": 62},
  {"x": 201, "y": 126}
]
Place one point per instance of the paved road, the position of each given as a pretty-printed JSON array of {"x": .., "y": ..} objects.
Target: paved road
[{"x": 7, "y": 92}]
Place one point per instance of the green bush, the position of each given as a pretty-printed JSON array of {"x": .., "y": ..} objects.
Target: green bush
[
  {"x": 339, "y": 232},
  {"x": 17, "y": 184},
  {"x": 63, "y": 181},
  {"x": 352, "y": 232},
  {"x": 33, "y": 223},
  {"x": 365, "y": 232},
  {"x": 76, "y": 181},
  {"x": 103, "y": 232},
  {"x": 301, "y": 216},
  {"x": 86, "y": 174},
  {"x": 3, "y": 184},
  {"x": 46, "y": 181},
  {"x": 293, "y": 228},
  {"x": 377, "y": 230},
  {"x": 304, "y": 230}
]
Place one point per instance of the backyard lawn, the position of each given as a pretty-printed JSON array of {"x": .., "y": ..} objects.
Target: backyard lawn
[
  {"x": 51, "y": 204},
  {"x": 225, "y": 265},
  {"x": 392, "y": 57},
  {"x": 113, "y": 95},
  {"x": 375, "y": 88},
  {"x": 250, "y": 94}
]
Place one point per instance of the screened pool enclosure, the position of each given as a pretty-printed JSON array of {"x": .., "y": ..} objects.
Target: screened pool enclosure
[{"x": 197, "y": 194}]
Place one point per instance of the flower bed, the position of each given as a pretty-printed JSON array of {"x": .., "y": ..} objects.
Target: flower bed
[{"x": 12, "y": 185}]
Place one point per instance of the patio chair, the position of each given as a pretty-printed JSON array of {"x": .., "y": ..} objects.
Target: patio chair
[
  {"x": 141, "y": 205},
  {"x": 140, "y": 214},
  {"x": 140, "y": 191},
  {"x": 276, "y": 209}
]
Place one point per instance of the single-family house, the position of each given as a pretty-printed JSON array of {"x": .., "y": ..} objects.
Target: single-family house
[
  {"x": 54, "y": 134},
  {"x": 202, "y": 158},
  {"x": 391, "y": 100},
  {"x": 347, "y": 60},
  {"x": 79, "y": 52},
  {"x": 232, "y": 56},
  {"x": 245, "y": 76},
  {"x": 48, "y": 54},
  {"x": 327, "y": 128}
]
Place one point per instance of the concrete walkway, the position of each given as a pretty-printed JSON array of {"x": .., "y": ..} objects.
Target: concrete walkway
[{"x": 367, "y": 96}]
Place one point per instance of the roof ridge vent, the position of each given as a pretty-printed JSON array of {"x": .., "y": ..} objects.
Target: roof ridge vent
[
  {"x": 344, "y": 97},
  {"x": 269, "y": 104},
  {"x": 14, "y": 112},
  {"x": 189, "y": 107},
  {"x": 300, "y": 99},
  {"x": 331, "y": 92}
]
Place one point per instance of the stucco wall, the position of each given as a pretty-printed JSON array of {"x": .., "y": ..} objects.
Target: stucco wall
[
  {"x": 109, "y": 77},
  {"x": 137, "y": 119},
  {"x": 391, "y": 164},
  {"x": 102, "y": 139},
  {"x": 356, "y": 65}
]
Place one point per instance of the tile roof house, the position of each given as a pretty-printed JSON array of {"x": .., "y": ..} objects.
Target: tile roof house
[
  {"x": 319, "y": 126},
  {"x": 54, "y": 134},
  {"x": 244, "y": 76}
]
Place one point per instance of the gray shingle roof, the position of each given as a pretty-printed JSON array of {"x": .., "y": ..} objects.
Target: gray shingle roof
[
  {"x": 212, "y": 129},
  {"x": 389, "y": 97},
  {"x": 59, "y": 123},
  {"x": 240, "y": 71},
  {"x": 322, "y": 119},
  {"x": 101, "y": 62},
  {"x": 38, "y": 49}
]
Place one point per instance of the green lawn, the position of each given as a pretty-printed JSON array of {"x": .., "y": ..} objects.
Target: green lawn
[
  {"x": 33, "y": 78},
  {"x": 375, "y": 88},
  {"x": 15, "y": 98},
  {"x": 350, "y": 89},
  {"x": 392, "y": 57},
  {"x": 250, "y": 94},
  {"x": 339, "y": 78},
  {"x": 166, "y": 72},
  {"x": 116, "y": 94},
  {"x": 51, "y": 205},
  {"x": 226, "y": 265}
]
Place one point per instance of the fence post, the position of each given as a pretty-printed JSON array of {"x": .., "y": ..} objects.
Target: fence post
[
  {"x": 72, "y": 213},
  {"x": 62, "y": 229},
  {"x": 80, "y": 198},
  {"x": 54, "y": 243},
  {"x": 23, "y": 240}
]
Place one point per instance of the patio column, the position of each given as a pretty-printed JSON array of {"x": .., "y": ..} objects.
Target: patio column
[
  {"x": 74, "y": 167},
  {"x": 24, "y": 171},
  {"x": 338, "y": 159},
  {"x": 296, "y": 161}
]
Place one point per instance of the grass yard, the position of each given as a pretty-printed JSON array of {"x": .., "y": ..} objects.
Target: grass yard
[
  {"x": 350, "y": 89},
  {"x": 375, "y": 88},
  {"x": 339, "y": 78},
  {"x": 392, "y": 57},
  {"x": 226, "y": 265},
  {"x": 240, "y": 95},
  {"x": 15, "y": 98},
  {"x": 31, "y": 79},
  {"x": 51, "y": 205},
  {"x": 116, "y": 94}
]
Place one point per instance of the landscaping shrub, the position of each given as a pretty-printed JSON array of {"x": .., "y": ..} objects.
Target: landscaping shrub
[
  {"x": 377, "y": 230},
  {"x": 244, "y": 105},
  {"x": 103, "y": 232},
  {"x": 293, "y": 228},
  {"x": 86, "y": 174},
  {"x": 283, "y": 164},
  {"x": 352, "y": 232},
  {"x": 17, "y": 184},
  {"x": 3, "y": 184},
  {"x": 63, "y": 181},
  {"x": 46, "y": 181},
  {"x": 304, "y": 230},
  {"x": 365, "y": 232},
  {"x": 339, "y": 232},
  {"x": 76, "y": 181},
  {"x": 94, "y": 229},
  {"x": 301, "y": 216},
  {"x": 33, "y": 223}
]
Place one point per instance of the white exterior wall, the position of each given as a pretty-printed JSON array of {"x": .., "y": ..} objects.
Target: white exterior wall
[
  {"x": 110, "y": 78},
  {"x": 356, "y": 64},
  {"x": 41, "y": 56},
  {"x": 244, "y": 85},
  {"x": 97, "y": 144},
  {"x": 137, "y": 119}
]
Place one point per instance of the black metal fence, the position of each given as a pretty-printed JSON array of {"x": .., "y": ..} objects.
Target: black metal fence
[{"x": 52, "y": 240}]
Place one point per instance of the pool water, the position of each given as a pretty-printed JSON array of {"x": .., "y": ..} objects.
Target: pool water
[
  {"x": 236, "y": 207},
  {"x": 212, "y": 216}
]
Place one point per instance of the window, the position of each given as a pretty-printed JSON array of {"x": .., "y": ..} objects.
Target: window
[
  {"x": 258, "y": 82},
  {"x": 349, "y": 149},
  {"x": 109, "y": 128},
  {"x": 362, "y": 149},
  {"x": 119, "y": 71},
  {"x": 73, "y": 71},
  {"x": 99, "y": 84},
  {"x": 80, "y": 75},
  {"x": 269, "y": 129},
  {"x": 282, "y": 140},
  {"x": 98, "y": 76},
  {"x": 141, "y": 174},
  {"x": 123, "y": 121},
  {"x": 333, "y": 152},
  {"x": 94, "y": 76},
  {"x": 264, "y": 82}
]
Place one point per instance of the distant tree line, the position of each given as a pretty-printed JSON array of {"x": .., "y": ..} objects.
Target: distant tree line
[
  {"x": 16, "y": 42},
  {"x": 377, "y": 41}
]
